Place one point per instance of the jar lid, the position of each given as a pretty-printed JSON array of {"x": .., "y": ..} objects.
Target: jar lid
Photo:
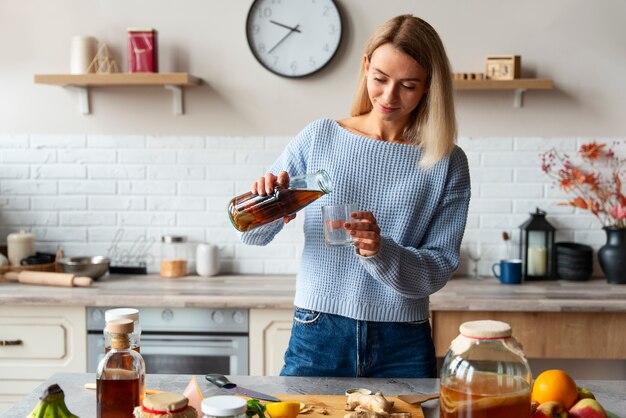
[
  {"x": 21, "y": 236},
  {"x": 222, "y": 406},
  {"x": 169, "y": 239},
  {"x": 120, "y": 326},
  {"x": 121, "y": 313},
  {"x": 485, "y": 329},
  {"x": 165, "y": 402}
]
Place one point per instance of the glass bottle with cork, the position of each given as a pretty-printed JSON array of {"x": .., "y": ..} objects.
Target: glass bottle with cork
[
  {"x": 248, "y": 211},
  {"x": 120, "y": 378},
  {"x": 485, "y": 374},
  {"x": 123, "y": 313}
]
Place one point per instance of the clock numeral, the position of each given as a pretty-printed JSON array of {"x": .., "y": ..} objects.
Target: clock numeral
[
  {"x": 294, "y": 66},
  {"x": 326, "y": 48},
  {"x": 312, "y": 62},
  {"x": 264, "y": 12},
  {"x": 260, "y": 48},
  {"x": 276, "y": 61},
  {"x": 326, "y": 10},
  {"x": 332, "y": 29},
  {"x": 276, "y": 1},
  {"x": 256, "y": 28}
]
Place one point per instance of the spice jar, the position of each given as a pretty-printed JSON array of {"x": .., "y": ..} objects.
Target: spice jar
[
  {"x": 485, "y": 374},
  {"x": 19, "y": 246},
  {"x": 224, "y": 406},
  {"x": 123, "y": 313},
  {"x": 173, "y": 256}
]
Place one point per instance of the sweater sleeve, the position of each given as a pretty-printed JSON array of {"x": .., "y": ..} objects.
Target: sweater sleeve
[
  {"x": 420, "y": 272},
  {"x": 293, "y": 160}
]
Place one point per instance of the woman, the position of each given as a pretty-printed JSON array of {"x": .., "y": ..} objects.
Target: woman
[{"x": 363, "y": 311}]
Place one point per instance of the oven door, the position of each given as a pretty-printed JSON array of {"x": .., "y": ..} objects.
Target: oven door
[{"x": 190, "y": 354}]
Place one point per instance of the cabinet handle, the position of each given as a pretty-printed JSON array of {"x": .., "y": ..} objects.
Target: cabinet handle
[{"x": 10, "y": 342}]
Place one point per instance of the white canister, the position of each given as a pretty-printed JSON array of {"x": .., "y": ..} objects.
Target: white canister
[
  {"x": 19, "y": 246},
  {"x": 83, "y": 51},
  {"x": 207, "y": 260}
]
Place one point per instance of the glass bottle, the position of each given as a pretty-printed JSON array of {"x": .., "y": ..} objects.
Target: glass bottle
[
  {"x": 223, "y": 406},
  {"x": 249, "y": 210},
  {"x": 123, "y": 313},
  {"x": 120, "y": 378},
  {"x": 174, "y": 256},
  {"x": 485, "y": 374}
]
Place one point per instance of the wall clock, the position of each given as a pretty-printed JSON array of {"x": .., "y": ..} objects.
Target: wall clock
[{"x": 294, "y": 38}]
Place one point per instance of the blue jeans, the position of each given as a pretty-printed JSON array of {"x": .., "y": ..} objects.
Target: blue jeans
[{"x": 323, "y": 344}]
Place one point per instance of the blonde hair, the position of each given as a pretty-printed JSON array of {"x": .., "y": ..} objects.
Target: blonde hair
[{"x": 432, "y": 125}]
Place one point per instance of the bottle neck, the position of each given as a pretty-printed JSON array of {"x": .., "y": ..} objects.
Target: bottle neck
[
  {"x": 120, "y": 342},
  {"x": 319, "y": 180}
]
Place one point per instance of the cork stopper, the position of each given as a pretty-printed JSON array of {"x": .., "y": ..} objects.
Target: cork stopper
[
  {"x": 165, "y": 402},
  {"x": 485, "y": 329},
  {"x": 120, "y": 326}
]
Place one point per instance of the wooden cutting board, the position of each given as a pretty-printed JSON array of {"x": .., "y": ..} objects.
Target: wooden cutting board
[{"x": 335, "y": 404}]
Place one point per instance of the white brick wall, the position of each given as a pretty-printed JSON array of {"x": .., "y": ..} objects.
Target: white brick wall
[{"x": 100, "y": 194}]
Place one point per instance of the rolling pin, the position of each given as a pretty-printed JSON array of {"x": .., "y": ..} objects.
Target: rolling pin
[{"x": 48, "y": 279}]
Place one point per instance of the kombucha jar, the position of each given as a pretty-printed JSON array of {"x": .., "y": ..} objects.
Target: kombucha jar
[
  {"x": 120, "y": 378},
  {"x": 123, "y": 313},
  {"x": 485, "y": 374},
  {"x": 223, "y": 406}
]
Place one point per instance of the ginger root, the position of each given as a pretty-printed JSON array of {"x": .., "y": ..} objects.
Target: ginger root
[{"x": 376, "y": 403}]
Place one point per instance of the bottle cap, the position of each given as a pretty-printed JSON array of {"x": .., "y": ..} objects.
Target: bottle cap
[
  {"x": 222, "y": 406},
  {"x": 165, "y": 402},
  {"x": 169, "y": 239},
  {"x": 120, "y": 326},
  {"x": 485, "y": 329},
  {"x": 121, "y": 313}
]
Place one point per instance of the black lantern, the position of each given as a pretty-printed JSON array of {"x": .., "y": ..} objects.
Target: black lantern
[{"x": 537, "y": 247}]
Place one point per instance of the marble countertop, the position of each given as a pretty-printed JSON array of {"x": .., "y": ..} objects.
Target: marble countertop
[
  {"x": 82, "y": 402},
  {"x": 277, "y": 292}
]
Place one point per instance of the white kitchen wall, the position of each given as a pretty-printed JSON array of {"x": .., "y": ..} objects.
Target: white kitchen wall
[{"x": 116, "y": 195}]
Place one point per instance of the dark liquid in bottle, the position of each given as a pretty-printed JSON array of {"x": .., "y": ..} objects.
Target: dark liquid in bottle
[
  {"x": 135, "y": 348},
  {"x": 249, "y": 210},
  {"x": 117, "y": 395}
]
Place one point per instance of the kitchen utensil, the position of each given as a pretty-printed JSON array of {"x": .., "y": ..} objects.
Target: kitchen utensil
[
  {"x": 222, "y": 382},
  {"x": 48, "y": 279},
  {"x": 334, "y": 405},
  {"x": 94, "y": 267},
  {"x": 418, "y": 398}
]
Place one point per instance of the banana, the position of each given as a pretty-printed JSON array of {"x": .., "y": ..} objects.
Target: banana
[{"x": 52, "y": 404}]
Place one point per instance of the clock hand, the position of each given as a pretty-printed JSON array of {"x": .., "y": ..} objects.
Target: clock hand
[
  {"x": 295, "y": 29},
  {"x": 285, "y": 26}
]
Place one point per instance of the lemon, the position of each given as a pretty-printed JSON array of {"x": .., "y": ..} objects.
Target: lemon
[{"x": 282, "y": 409}]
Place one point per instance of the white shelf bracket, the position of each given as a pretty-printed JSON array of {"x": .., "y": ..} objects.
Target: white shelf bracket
[
  {"x": 177, "y": 97},
  {"x": 83, "y": 98},
  {"x": 518, "y": 99}
]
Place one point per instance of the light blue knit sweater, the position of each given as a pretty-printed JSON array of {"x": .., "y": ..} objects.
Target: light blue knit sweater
[{"x": 421, "y": 214}]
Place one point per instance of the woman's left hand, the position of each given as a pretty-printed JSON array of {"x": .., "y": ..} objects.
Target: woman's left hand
[{"x": 365, "y": 233}]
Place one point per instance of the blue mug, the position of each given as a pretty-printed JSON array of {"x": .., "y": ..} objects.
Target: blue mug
[{"x": 510, "y": 271}]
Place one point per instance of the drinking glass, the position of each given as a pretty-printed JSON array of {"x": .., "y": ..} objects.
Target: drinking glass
[{"x": 334, "y": 217}]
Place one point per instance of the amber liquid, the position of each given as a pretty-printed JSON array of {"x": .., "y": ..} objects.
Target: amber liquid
[
  {"x": 249, "y": 210},
  {"x": 488, "y": 396},
  {"x": 118, "y": 394},
  {"x": 135, "y": 348}
]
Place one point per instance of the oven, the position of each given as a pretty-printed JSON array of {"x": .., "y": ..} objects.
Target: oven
[{"x": 181, "y": 340}]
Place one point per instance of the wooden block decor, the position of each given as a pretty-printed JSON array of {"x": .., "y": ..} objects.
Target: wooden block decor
[
  {"x": 468, "y": 76},
  {"x": 503, "y": 67}
]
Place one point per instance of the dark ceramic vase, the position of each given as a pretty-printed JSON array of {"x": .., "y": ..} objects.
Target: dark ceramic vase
[{"x": 612, "y": 255}]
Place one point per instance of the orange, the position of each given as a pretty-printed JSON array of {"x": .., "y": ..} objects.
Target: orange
[
  {"x": 555, "y": 385},
  {"x": 282, "y": 409}
]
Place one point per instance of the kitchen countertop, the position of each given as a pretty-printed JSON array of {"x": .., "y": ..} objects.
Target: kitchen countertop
[
  {"x": 277, "y": 292},
  {"x": 82, "y": 402}
]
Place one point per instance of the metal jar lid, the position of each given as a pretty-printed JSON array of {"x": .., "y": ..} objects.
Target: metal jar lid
[{"x": 173, "y": 239}]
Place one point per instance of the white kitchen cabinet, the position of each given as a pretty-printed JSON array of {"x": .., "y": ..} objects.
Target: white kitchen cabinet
[
  {"x": 36, "y": 342},
  {"x": 270, "y": 330}
]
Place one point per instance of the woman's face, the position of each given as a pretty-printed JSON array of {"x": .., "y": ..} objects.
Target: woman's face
[{"x": 395, "y": 83}]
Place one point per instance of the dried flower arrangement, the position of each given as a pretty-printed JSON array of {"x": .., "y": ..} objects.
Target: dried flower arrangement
[{"x": 595, "y": 182}]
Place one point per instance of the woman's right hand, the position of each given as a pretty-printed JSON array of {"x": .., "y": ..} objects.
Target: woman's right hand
[{"x": 265, "y": 186}]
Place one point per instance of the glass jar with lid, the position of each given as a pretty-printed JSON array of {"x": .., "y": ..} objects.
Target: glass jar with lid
[
  {"x": 174, "y": 255},
  {"x": 223, "y": 406},
  {"x": 123, "y": 313},
  {"x": 485, "y": 374}
]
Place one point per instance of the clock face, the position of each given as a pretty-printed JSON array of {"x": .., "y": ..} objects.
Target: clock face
[{"x": 294, "y": 38}]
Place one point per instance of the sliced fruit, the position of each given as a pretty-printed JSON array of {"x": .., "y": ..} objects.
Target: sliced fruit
[{"x": 289, "y": 409}]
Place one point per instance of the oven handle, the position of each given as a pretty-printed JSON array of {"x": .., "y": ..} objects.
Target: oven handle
[{"x": 194, "y": 341}]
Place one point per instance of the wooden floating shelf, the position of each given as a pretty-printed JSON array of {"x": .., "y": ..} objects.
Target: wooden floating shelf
[
  {"x": 519, "y": 85},
  {"x": 171, "y": 81}
]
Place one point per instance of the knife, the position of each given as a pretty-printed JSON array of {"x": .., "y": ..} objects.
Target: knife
[{"x": 222, "y": 382}]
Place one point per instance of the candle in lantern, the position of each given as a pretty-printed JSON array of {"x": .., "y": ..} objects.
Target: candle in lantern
[{"x": 537, "y": 261}]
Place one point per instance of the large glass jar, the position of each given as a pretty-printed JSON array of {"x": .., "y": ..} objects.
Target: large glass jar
[{"x": 485, "y": 374}]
